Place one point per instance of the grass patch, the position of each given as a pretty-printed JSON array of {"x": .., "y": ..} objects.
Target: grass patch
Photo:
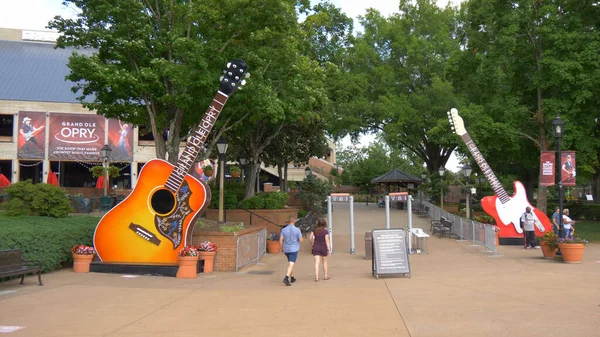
[
  {"x": 589, "y": 230},
  {"x": 46, "y": 239}
]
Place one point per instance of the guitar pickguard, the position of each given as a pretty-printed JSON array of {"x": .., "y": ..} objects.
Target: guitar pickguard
[{"x": 171, "y": 227}]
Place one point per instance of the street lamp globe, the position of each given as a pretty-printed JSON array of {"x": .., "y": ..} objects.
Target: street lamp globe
[
  {"x": 308, "y": 171},
  {"x": 243, "y": 160},
  {"x": 557, "y": 127},
  {"x": 466, "y": 170},
  {"x": 423, "y": 175},
  {"x": 222, "y": 145},
  {"x": 106, "y": 150},
  {"x": 442, "y": 170}
]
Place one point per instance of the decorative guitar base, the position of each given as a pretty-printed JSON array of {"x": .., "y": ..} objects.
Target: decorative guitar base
[
  {"x": 514, "y": 241},
  {"x": 139, "y": 269}
]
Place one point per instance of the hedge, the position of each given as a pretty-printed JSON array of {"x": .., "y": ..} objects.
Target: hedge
[{"x": 46, "y": 239}]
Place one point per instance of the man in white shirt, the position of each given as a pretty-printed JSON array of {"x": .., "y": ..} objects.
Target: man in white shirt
[{"x": 528, "y": 223}]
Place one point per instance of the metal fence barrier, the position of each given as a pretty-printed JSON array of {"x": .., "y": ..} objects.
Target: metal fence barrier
[
  {"x": 250, "y": 248},
  {"x": 479, "y": 233}
]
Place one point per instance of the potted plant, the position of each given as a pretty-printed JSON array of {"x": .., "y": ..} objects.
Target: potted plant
[
  {"x": 207, "y": 251},
  {"x": 549, "y": 244},
  {"x": 572, "y": 249},
  {"x": 273, "y": 246},
  {"x": 82, "y": 258},
  {"x": 235, "y": 171},
  {"x": 208, "y": 170},
  {"x": 98, "y": 171},
  {"x": 188, "y": 262}
]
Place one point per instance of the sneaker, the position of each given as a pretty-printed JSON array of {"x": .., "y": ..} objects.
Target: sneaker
[
  {"x": 293, "y": 279},
  {"x": 286, "y": 281},
  {"x": 538, "y": 247},
  {"x": 527, "y": 247}
]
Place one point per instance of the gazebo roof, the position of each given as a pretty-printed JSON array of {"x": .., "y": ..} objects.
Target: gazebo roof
[{"x": 396, "y": 176}]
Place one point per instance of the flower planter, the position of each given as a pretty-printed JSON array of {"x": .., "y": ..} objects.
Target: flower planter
[
  {"x": 497, "y": 235},
  {"x": 188, "y": 267},
  {"x": 571, "y": 252},
  {"x": 547, "y": 251},
  {"x": 81, "y": 263},
  {"x": 236, "y": 175},
  {"x": 209, "y": 260},
  {"x": 273, "y": 247}
]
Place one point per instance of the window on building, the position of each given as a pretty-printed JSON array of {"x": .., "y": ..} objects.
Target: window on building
[{"x": 6, "y": 126}]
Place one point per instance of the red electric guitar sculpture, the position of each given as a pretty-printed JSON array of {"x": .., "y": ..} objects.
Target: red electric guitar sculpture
[
  {"x": 157, "y": 219},
  {"x": 505, "y": 210}
]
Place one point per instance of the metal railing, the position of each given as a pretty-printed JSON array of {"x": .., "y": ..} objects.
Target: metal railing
[
  {"x": 250, "y": 248},
  {"x": 465, "y": 229}
]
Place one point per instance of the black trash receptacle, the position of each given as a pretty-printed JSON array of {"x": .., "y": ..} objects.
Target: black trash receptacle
[{"x": 368, "y": 245}]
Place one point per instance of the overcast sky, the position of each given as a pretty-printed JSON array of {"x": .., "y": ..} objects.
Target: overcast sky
[{"x": 35, "y": 14}]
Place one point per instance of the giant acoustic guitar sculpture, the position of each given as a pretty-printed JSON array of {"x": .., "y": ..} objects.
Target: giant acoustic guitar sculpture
[
  {"x": 506, "y": 210},
  {"x": 157, "y": 219}
]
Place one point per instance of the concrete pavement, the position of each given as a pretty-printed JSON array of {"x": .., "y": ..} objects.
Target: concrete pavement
[{"x": 455, "y": 290}]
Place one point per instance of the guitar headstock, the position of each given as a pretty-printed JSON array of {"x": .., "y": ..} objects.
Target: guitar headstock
[
  {"x": 233, "y": 76},
  {"x": 456, "y": 122}
]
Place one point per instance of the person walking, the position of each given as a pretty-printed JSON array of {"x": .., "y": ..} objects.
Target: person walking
[
  {"x": 567, "y": 224},
  {"x": 290, "y": 240},
  {"x": 321, "y": 247},
  {"x": 527, "y": 224},
  {"x": 556, "y": 220}
]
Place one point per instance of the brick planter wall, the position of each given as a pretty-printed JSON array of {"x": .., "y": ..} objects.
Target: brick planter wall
[
  {"x": 226, "y": 245},
  {"x": 278, "y": 216}
]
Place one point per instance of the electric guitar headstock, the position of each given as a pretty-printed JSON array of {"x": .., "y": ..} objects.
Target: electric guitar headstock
[
  {"x": 456, "y": 122},
  {"x": 233, "y": 76}
]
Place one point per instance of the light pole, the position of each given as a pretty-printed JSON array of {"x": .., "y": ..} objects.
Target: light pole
[
  {"x": 243, "y": 161},
  {"x": 105, "y": 151},
  {"x": 423, "y": 176},
  {"x": 557, "y": 132},
  {"x": 222, "y": 147},
  {"x": 466, "y": 170},
  {"x": 441, "y": 171}
]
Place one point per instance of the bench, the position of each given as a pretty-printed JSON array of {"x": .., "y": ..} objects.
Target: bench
[
  {"x": 436, "y": 225},
  {"x": 12, "y": 264},
  {"x": 447, "y": 227}
]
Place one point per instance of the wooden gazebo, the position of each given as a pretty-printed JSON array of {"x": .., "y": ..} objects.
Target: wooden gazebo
[{"x": 399, "y": 179}]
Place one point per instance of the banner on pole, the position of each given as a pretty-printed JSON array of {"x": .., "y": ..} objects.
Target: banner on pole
[
  {"x": 32, "y": 136},
  {"x": 547, "y": 168},
  {"x": 399, "y": 196},
  {"x": 568, "y": 166}
]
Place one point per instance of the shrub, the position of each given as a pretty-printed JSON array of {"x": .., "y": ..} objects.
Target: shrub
[
  {"x": 270, "y": 200},
  {"x": 233, "y": 192},
  {"x": 313, "y": 193},
  {"x": 39, "y": 199},
  {"x": 47, "y": 239}
]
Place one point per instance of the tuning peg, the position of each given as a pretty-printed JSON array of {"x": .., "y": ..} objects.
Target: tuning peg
[
  {"x": 243, "y": 82},
  {"x": 247, "y": 75},
  {"x": 237, "y": 78},
  {"x": 235, "y": 65},
  {"x": 228, "y": 64},
  {"x": 221, "y": 78},
  {"x": 230, "y": 73}
]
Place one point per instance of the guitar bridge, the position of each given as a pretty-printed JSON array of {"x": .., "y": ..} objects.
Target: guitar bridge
[{"x": 144, "y": 233}]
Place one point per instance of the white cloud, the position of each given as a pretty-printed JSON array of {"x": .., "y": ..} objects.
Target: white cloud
[{"x": 31, "y": 14}]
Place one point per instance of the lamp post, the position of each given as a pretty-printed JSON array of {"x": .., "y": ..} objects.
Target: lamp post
[
  {"x": 308, "y": 172},
  {"x": 441, "y": 171},
  {"x": 243, "y": 161},
  {"x": 423, "y": 176},
  {"x": 473, "y": 192},
  {"x": 466, "y": 170},
  {"x": 222, "y": 148},
  {"x": 557, "y": 132},
  {"x": 105, "y": 151}
]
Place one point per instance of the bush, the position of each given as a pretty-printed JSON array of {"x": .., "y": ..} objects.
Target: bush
[
  {"x": 37, "y": 199},
  {"x": 46, "y": 239},
  {"x": 270, "y": 200},
  {"x": 313, "y": 193},
  {"x": 233, "y": 192}
]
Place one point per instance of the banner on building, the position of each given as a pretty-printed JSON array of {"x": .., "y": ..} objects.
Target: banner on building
[
  {"x": 75, "y": 136},
  {"x": 32, "y": 135},
  {"x": 568, "y": 166},
  {"x": 120, "y": 139},
  {"x": 547, "y": 168}
]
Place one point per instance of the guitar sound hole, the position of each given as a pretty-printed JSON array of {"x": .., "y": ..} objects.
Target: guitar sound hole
[{"x": 162, "y": 201}]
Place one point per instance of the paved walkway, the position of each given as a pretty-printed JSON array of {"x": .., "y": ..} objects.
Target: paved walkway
[{"x": 455, "y": 290}]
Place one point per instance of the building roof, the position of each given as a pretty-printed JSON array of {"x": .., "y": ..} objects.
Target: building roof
[
  {"x": 33, "y": 71},
  {"x": 395, "y": 176}
]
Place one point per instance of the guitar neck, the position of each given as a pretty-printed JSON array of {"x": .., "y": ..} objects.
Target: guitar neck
[
  {"x": 195, "y": 142},
  {"x": 486, "y": 169}
]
